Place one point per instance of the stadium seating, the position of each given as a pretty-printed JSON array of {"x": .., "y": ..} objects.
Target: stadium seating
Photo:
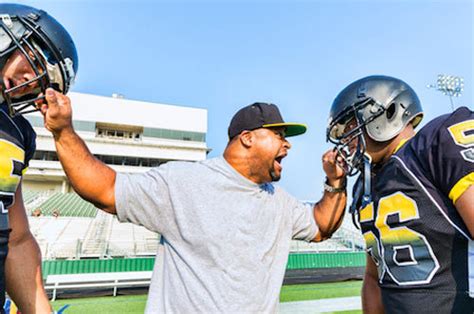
[
  {"x": 84, "y": 237},
  {"x": 29, "y": 196},
  {"x": 59, "y": 237},
  {"x": 67, "y": 227},
  {"x": 129, "y": 240},
  {"x": 331, "y": 245},
  {"x": 66, "y": 204},
  {"x": 95, "y": 241}
]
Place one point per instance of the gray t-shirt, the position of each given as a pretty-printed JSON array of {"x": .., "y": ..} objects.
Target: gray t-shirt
[{"x": 225, "y": 239}]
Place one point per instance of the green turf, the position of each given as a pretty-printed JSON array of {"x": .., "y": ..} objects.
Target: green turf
[
  {"x": 136, "y": 304},
  {"x": 320, "y": 291},
  {"x": 345, "y": 312},
  {"x": 103, "y": 305}
]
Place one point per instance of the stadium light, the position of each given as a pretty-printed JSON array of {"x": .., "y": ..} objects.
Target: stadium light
[{"x": 450, "y": 85}]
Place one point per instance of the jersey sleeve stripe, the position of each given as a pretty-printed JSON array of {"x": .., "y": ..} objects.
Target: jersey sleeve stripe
[
  {"x": 432, "y": 199},
  {"x": 461, "y": 186}
]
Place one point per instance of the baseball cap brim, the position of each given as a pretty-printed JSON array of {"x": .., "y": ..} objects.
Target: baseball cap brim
[{"x": 291, "y": 129}]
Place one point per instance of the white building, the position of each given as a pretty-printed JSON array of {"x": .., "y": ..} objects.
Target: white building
[{"x": 129, "y": 135}]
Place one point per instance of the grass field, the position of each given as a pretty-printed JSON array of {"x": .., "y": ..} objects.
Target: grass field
[
  {"x": 320, "y": 291},
  {"x": 136, "y": 303}
]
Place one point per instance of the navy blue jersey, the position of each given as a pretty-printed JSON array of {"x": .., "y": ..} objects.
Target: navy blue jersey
[
  {"x": 17, "y": 145},
  {"x": 421, "y": 246}
]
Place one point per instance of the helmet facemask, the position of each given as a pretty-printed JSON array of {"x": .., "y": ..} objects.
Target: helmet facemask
[{"x": 346, "y": 131}]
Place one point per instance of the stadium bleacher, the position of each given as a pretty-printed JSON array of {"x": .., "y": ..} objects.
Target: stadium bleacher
[
  {"x": 67, "y": 227},
  {"x": 102, "y": 236},
  {"x": 65, "y": 204},
  {"x": 29, "y": 196},
  {"x": 129, "y": 240},
  {"x": 59, "y": 237}
]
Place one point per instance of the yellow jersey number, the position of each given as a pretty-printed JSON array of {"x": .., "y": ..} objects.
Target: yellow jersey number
[
  {"x": 11, "y": 161},
  {"x": 401, "y": 252},
  {"x": 463, "y": 135}
]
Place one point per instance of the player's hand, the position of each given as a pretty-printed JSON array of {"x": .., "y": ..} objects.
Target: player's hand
[
  {"x": 57, "y": 112},
  {"x": 331, "y": 166}
]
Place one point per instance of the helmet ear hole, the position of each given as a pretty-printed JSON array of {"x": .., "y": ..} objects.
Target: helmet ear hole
[{"x": 390, "y": 112}]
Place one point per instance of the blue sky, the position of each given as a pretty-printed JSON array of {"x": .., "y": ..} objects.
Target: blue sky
[{"x": 223, "y": 55}]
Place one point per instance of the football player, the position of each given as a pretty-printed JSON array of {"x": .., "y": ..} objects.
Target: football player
[
  {"x": 36, "y": 52},
  {"x": 413, "y": 199}
]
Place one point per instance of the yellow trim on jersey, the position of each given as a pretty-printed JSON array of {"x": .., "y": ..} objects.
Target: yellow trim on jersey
[
  {"x": 367, "y": 213},
  {"x": 460, "y": 187},
  {"x": 24, "y": 171},
  {"x": 402, "y": 142}
]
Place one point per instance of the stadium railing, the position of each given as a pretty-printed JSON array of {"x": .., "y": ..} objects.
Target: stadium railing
[
  {"x": 63, "y": 275},
  {"x": 97, "y": 281}
]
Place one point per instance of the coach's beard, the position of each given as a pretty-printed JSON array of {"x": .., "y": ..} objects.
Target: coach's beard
[{"x": 275, "y": 177}]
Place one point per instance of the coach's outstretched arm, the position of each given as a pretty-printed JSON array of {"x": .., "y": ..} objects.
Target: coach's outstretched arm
[{"x": 90, "y": 178}]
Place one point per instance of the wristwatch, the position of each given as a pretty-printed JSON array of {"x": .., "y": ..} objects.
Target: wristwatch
[{"x": 332, "y": 189}]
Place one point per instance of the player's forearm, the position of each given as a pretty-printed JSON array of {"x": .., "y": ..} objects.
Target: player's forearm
[
  {"x": 328, "y": 213},
  {"x": 465, "y": 207},
  {"x": 371, "y": 297},
  {"x": 90, "y": 178},
  {"x": 24, "y": 283}
]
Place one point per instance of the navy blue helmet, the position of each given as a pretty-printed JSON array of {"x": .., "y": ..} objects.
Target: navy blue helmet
[{"x": 48, "y": 48}]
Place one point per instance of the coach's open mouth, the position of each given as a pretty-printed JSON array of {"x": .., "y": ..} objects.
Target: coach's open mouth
[{"x": 278, "y": 161}]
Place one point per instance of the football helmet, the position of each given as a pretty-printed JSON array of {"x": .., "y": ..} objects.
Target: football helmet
[
  {"x": 47, "y": 46},
  {"x": 379, "y": 106}
]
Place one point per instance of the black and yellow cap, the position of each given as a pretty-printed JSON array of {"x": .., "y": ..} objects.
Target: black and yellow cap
[{"x": 262, "y": 115}]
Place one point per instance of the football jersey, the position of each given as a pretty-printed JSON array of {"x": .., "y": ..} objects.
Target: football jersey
[
  {"x": 17, "y": 146},
  {"x": 422, "y": 248}
]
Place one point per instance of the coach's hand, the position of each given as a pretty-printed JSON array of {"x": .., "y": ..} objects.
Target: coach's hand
[
  {"x": 57, "y": 112},
  {"x": 334, "y": 172}
]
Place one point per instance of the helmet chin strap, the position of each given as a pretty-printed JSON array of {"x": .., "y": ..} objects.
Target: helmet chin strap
[
  {"x": 362, "y": 191},
  {"x": 2, "y": 90},
  {"x": 367, "y": 197}
]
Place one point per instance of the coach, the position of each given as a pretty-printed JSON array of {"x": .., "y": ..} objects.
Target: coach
[{"x": 226, "y": 229}]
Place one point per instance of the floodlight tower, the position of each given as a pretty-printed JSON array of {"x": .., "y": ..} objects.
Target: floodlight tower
[{"x": 450, "y": 85}]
